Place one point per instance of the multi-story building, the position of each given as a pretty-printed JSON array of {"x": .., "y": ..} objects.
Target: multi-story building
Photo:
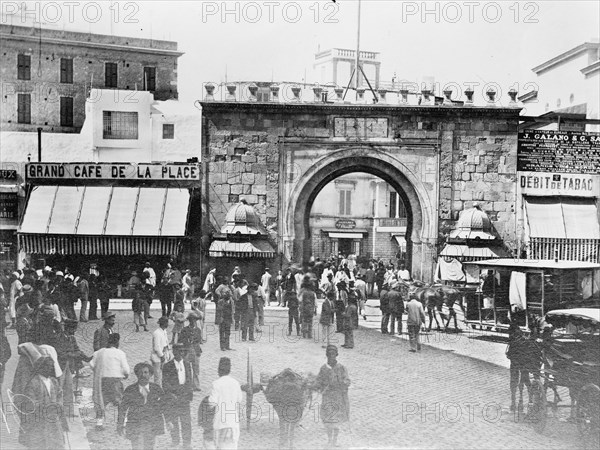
[
  {"x": 567, "y": 85},
  {"x": 361, "y": 214},
  {"x": 47, "y": 74}
]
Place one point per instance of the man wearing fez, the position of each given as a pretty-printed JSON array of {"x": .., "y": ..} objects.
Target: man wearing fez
[
  {"x": 226, "y": 396},
  {"x": 142, "y": 405},
  {"x": 179, "y": 392}
]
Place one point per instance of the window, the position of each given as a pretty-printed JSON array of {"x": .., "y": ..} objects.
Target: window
[
  {"x": 397, "y": 208},
  {"x": 345, "y": 203},
  {"x": 24, "y": 108},
  {"x": 150, "y": 79},
  {"x": 66, "y": 70},
  {"x": 110, "y": 75},
  {"x": 120, "y": 125},
  {"x": 23, "y": 67},
  {"x": 168, "y": 131},
  {"x": 66, "y": 111}
]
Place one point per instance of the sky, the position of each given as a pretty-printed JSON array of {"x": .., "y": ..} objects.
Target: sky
[{"x": 462, "y": 42}]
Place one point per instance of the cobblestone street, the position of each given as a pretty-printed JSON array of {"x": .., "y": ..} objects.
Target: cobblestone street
[{"x": 432, "y": 399}]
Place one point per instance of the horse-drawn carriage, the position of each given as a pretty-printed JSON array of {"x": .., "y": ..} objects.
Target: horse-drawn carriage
[
  {"x": 532, "y": 286},
  {"x": 569, "y": 345}
]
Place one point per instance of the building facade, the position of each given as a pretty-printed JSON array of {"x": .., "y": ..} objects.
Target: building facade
[
  {"x": 47, "y": 74},
  {"x": 360, "y": 214},
  {"x": 568, "y": 86},
  {"x": 280, "y": 154}
]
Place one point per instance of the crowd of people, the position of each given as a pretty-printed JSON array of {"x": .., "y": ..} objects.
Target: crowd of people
[{"x": 41, "y": 306}]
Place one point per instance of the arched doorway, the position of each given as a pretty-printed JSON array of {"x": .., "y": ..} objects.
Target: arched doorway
[{"x": 421, "y": 227}]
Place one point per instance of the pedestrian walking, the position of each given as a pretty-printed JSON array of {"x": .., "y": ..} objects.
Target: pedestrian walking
[
  {"x": 361, "y": 288},
  {"x": 84, "y": 296},
  {"x": 44, "y": 424},
  {"x": 224, "y": 318},
  {"x": 416, "y": 318},
  {"x": 138, "y": 307},
  {"x": 187, "y": 287},
  {"x": 333, "y": 382},
  {"x": 293, "y": 310},
  {"x": 350, "y": 322},
  {"x": 308, "y": 304},
  {"x": 191, "y": 338},
  {"x": 110, "y": 369},
  {"x": 226, "y": 396},
  {"x": 384, "y": 305},
  {"x": 248, "y": 309},
  {"x": 327, "y": 317},
  {"x": 16, "y": 291},
  {"x": 340, "y": 306},
  {"x": 150, "y": 276},
  {"x": 370, "y": 280},
  {"x": 265, "y": 282},
  {"x": 210, "y": 282},
  {"x": 396, "y": 308},
  {"x": 279, "y": 292},
  {"x": 178, "y": 393},
  {"x": 101, "y": 334},
  {"x": 161, "y": 352},
  {"x": 141, "y": 411}
]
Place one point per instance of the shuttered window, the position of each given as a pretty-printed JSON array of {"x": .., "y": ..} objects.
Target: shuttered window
[
  {"x": 110, "y": 75},
  {"x": 24, "y": 108},
  {"x": 66, "y": 70},
  {"x": 345, "y": 203},
  {"x": 150, "y": 79},
  {"x": 23, "y": 67},
  {"x": 66, "y": 111}
]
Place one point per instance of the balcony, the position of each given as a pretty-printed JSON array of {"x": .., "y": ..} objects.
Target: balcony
[{"x": 391, "y": 224}]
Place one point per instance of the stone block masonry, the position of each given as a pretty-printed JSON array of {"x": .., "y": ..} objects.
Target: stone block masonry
[{"x": 442, "y": 159}]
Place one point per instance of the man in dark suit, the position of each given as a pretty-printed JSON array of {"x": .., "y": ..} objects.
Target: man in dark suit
[
  {"x": 142, "y": 404},
  {"x": 102, "y": 333},
  {"x": 179, "y": 392}
]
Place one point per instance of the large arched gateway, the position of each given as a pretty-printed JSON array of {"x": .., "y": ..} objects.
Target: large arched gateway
[
  {"x": 278, "y": 156},
  {"x": 421, "y": 227}
]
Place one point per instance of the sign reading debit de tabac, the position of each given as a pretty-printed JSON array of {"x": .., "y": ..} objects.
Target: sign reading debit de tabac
[
  {"x": 548, "y": 183},
  {"x": 112, "y": 171}
]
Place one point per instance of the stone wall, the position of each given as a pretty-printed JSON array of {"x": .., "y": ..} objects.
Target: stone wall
[
  {"x": 447, "y": 158},
  {"x": 89, "y": 53}
]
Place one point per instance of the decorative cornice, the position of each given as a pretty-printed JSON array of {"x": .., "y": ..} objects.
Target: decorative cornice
[
  {"x": 594, "y": 67},
  {"x": 89, "y": 44},
  {"x": 565, "y": 56},
  {"x": 344, "y": 109}
]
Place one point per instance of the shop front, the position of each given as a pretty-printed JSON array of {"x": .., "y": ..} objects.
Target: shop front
[
  {"x": 558, "y": 193},
  {"x": 114, "y": 216},
  {"x": 9, "y": 218}
]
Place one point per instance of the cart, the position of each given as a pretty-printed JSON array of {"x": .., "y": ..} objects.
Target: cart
[
  {"x": 570, "y": 347},
  {"x": 533, "y": 286}
]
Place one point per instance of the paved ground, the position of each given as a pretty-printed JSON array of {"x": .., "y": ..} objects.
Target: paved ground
[{"x": 438, "y": 398}]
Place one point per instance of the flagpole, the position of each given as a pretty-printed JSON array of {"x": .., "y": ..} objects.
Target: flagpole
[{"x": 357, "y": 67}]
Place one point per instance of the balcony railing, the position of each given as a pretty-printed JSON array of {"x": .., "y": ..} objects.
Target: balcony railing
[{"x": 389, "y": 222}]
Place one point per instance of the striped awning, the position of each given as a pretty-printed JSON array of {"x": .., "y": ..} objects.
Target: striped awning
[
  {"x": 104, "y": 220},
  {"x": 98, "y": 245},
  {"x": 253, "y": 249}
]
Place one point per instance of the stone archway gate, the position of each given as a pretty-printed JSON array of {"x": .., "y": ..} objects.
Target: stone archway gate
[{"x": 439, "y": 158}]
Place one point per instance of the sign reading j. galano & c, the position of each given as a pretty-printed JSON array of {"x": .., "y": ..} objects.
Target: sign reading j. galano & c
[{"x": 110, "y": 171}]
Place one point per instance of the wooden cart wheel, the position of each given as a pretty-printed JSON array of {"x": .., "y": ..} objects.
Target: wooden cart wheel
[
  {"x": 538, "y": 415},
  {"x": 588, "y": 414}
]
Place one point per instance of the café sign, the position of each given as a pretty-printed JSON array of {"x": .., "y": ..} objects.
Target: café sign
[
  {"x": 549, "y": 183},
  {"x": 345, "y": 224},
  {"x": 112, "y": 171}
]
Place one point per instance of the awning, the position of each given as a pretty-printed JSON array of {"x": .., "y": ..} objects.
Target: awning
[
  {"x": 562, "y": 217},
  {"x": 339, "y": 235},
  {"x": 104, "y": 220},
  {"x": 401, "y": 240},
  {"x": 252, "y": 249}
]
